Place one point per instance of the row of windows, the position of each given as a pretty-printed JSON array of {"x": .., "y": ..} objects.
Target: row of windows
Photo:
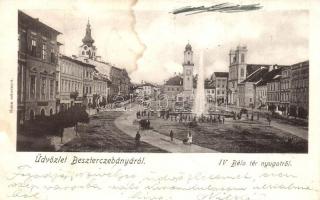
[
  {"x": 273, "y": 97},
  {"x": 72, "y": 69},
  {"x": 261, "y": 93},
  {"x": 273, "y": 86},
  {"x": 46, "y": 55},
  {"x": 285, "y": 84},
  {"x": 70, "y": 86},
  {"x": 299, "y": 83},
  {"x": 101, "y": 88},
  {"x": 285, "y": 97},
  {"x": 88, "y": 74},
  {"x": 46, "y": 88},
  {"x": 174, "y": 89},
  {"x": 300, "y": 96}
]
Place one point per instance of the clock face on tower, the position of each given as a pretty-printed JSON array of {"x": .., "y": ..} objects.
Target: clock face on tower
[{"x": 188, "y": 72}]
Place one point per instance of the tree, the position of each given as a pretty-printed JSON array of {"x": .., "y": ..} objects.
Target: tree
[
  {"x": 74, "y": 95},
  {"x": 103, "y": 103}
]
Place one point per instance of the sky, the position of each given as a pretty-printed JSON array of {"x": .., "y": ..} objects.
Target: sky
[{"x": 148, "y": 40}]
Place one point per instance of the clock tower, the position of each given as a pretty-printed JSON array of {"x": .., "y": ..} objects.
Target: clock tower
[
  {"x": 87, "y": 49},
  {"x": 188, "y": 69}
]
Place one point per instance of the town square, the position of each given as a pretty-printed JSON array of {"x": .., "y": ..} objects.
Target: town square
[{"x": 182, "y": 101}]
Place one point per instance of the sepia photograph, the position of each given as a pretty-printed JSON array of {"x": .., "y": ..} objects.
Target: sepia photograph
[
  {"x": 159, "y": 100},
  {"x": 215, "y": 78}
]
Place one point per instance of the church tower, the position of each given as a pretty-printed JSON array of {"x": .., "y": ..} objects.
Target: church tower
[
  {"x": 87, "y": 49},
  {"x": 188, "y": 69}
]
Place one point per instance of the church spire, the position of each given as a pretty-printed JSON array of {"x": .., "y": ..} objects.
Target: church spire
[{"x": 87, "y": 38}]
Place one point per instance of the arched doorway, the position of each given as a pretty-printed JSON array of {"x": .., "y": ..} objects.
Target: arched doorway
[
  {"x": 31, "y": 115},
  {"x": 43, "y": 113},
  {"x": 51, "y": 112}
]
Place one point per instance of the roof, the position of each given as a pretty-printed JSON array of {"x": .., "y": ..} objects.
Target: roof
[
  {"x": 208, "y": 84},
  {"x": 148, "y": 84},
  {"x": 37, "y": 22},
  {"x": 176, "y": 80},
  {"x": 256, "y": 75},
  {"x": 304, "y": 63},
  {"x": 254, "y": 67},
  {"x": 77, "y": 61},
  {"x": 267, "y": 77},
  {"x": 221, "y": 74},
  {"x": 87, "y": 38},
  {"x": 188, "y": 47}
]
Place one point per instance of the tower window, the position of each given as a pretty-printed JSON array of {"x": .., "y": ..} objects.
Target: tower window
[
  {"x": 242, "y": 73},
  {"x": 82, "y": 52},
  {"x": 242, "y": 58}
]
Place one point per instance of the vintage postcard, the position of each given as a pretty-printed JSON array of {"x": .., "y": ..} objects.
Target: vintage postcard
[{"x": 159, "y": 100}]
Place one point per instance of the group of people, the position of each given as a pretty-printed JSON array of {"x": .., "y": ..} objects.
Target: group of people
[
  {"x": 143, "y": 113},
  {"x": 144, "y": 124},
  {"x": 187, "y": 140},
  {"x": 201, "y": 119}
]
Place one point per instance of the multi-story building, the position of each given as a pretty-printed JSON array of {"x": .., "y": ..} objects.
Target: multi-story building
[
  {"x": 210, "y": 91},
  {"x": 220, "y": 80},
  {"x": 173, "y": 87},
  {"x": 37, "y": 61},
  {"x": 120, "y": 83},
  {"x": 101, "y": 88},
  {"x": 247, "y": 88},
  {"x": 299, "y": 101},
  {"x": 273, "y": 93},
  {"x": 71, "y": 83},
  {"x": 285, "y": 80},
  {"x": 88, "y": 84},
  {"x": 261, "y": 89}
]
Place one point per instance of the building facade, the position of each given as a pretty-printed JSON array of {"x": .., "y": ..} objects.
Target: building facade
[
  {"x": 220, "y": 80},
  {"x": 273, "y": 94},
  {"x": 37, "y": 62},
  {"x": 172, "y": 88},
  {"x": 70, "y": 89},
  {"x": 285, "y": 80},
  {"x": 299, "y": 99}
]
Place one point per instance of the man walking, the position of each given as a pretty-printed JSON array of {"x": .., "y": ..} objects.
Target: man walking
[
  {"x": 171, "y": 135},
  {"x": 137, "y": 139}
]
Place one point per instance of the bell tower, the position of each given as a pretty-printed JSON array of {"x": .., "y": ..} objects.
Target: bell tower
[
  {"x": 188, "y": 69},
  {"x": 87, "y": 49}
]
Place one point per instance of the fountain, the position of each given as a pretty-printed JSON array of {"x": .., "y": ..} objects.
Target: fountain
[{"x": 199, "y": 101}]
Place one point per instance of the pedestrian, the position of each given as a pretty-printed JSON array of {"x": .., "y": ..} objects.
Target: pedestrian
[
  {"x": 148, "y": 124},
  {"x": 269, "y": 120},
  {"x": 189, "y": 138},
  {"x": 76, "y": 128},
  {"x": 137, "y": 139},
  {"x": 223, "y": 119},
  {"x": 171, "y": 135}
]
